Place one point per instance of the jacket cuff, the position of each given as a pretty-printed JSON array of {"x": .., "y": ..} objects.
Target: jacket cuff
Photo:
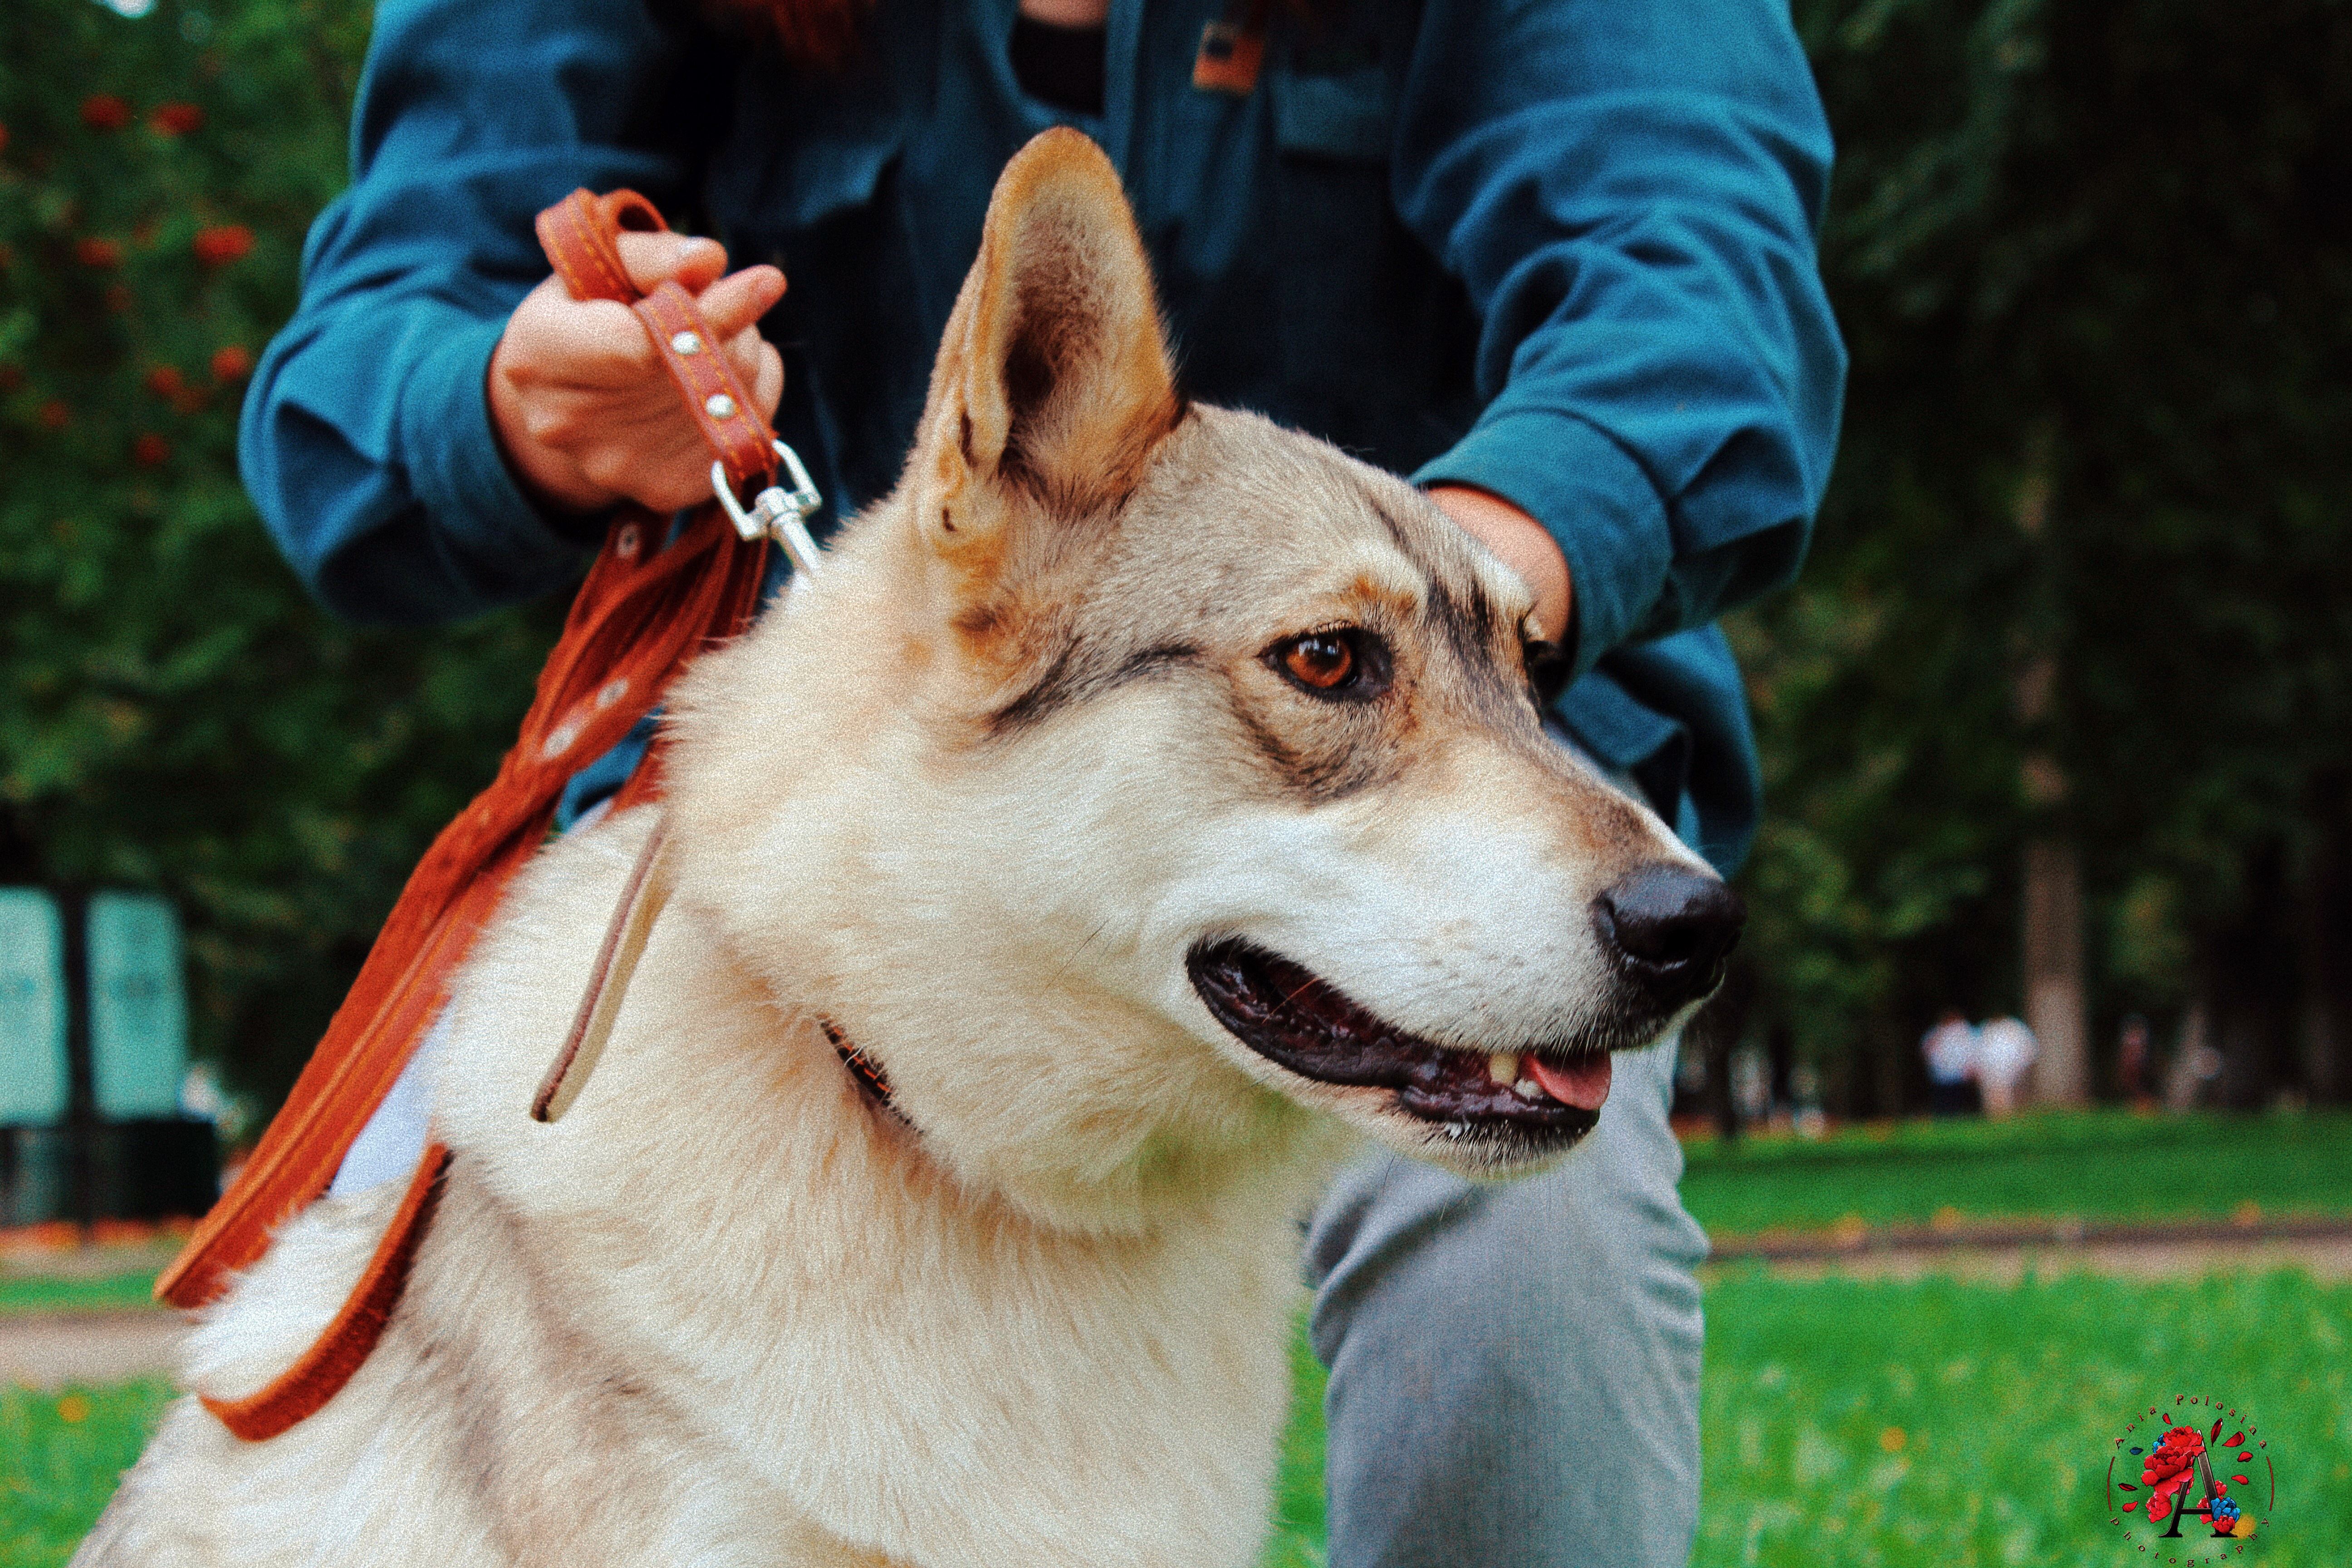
[
  {"x": 1594, "y": 500},
  {"x": 458, "y": 475}
]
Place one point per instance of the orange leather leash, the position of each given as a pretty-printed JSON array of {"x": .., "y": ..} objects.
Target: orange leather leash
[{"x": 652, "y": 600}]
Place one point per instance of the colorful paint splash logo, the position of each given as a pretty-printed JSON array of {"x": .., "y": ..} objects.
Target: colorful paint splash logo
[{"x": 2183, "y": 1492}]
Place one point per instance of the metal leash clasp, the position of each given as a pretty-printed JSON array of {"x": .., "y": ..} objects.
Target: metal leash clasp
[{"x": 776, "y": 513}]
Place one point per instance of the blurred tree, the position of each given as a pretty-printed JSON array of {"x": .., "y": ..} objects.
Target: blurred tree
[
  {"x": 174, "y": 713},
  {"x": 2081, "y": 580}
]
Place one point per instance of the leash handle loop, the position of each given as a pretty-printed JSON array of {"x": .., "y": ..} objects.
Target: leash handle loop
[{"x": 581, "y": 237}]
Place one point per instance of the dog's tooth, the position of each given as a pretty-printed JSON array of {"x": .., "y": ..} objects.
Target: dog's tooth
[
  {"x": 1528, "y": 1088},
  {"x": 1503, "y": 1066}
]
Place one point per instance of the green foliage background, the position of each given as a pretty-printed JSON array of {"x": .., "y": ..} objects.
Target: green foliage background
[
  {"x": 173, "y": 713},
  {"x": 2096, "y": 265}
]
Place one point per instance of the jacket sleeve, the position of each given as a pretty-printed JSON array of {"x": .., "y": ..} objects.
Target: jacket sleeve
[
  {"x": 1630, "y": 191},
  {"x": 367, "y": 440}
]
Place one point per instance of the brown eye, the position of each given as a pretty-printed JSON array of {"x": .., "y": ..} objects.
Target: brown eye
[{"x": 1321, "y": 660}]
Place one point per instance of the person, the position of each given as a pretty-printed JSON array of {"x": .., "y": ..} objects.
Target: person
[
  {"x": 2133, "y": 1062},
  {"x": 2005, "y": 1051},
  {"x": 1553, "y": 260},
  {"x": 1951, "y": 1049}
]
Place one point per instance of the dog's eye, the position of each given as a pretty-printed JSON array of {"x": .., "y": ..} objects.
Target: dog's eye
[
  {"x": 1322, "y": 660},
  {"x": 1345, "y": 662},
  {"x": 1548, "y": 669}
]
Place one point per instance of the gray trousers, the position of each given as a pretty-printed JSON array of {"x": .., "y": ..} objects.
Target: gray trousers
[{"x": 1515, "y": 1369}]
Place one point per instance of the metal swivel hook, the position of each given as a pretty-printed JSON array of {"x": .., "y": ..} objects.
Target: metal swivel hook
[{"x": 776, "y": 513}]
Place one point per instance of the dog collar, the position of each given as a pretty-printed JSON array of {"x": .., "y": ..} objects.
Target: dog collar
[
  {"x": 643, "y": 898},
  {"x": 871, "y": 1079}
]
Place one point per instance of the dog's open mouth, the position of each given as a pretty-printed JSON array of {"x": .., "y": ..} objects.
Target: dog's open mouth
[{"x": 1297, "y": 1021}]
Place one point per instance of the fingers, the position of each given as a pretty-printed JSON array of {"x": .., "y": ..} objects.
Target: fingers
[
  {"x": 578, "y": 397},
  {"x": 653, "y": 259},
  {"x": 593, "y": 342},
  {"x": 768, "y": 381},
  {"x": 1521, "y": 543},
  {"x": 735, "y": 304}
]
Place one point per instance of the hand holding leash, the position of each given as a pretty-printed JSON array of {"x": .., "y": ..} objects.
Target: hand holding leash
[{"x": 578, "y": 394}]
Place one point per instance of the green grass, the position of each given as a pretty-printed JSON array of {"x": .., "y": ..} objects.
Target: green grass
[
  {"x": 1936, "y": 1424},
  {"x": 2096, "y": 1165},
  {"x": 54, "y": 1293},
  {"x": 1296, "y": 1541},
  {"x": 60, "y": 1457},
  {"x": 2006, "y": 1399}
]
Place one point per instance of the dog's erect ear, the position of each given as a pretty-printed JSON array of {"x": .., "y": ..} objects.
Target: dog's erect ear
[{"x": 1053, "y": 381}]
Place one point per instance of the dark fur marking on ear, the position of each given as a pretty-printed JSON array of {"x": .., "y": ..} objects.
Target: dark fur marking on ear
[{"x": 964, "y": 437}]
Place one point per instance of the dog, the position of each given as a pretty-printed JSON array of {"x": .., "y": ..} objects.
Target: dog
[{"x": 1154, "y": 802}]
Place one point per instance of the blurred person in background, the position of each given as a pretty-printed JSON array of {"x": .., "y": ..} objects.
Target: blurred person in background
[
  {"x": 1553, "y": 260},
  {"x": 1951, "y": 1049},
  {"x": 2006, "y": 1049},
  {"x": 2132, "y": 1064}
]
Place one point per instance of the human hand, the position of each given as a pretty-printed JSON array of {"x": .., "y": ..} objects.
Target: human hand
[
  {"x": 583, "y": 409},
  {"x": 1521, "y": 543}
]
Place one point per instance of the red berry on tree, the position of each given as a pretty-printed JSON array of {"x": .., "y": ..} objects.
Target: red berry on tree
[
  {"x": 151, "y": 451},
  {"x": 220, "y": 245},
  {"x": 104, "y": 111},
  {"x": 234, "y": 363},
  {"x": 98, "y": 252},
  {"x": 176, "y": 118}
]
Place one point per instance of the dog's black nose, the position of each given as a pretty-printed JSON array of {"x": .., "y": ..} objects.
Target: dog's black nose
[{"x": 1669, "y": 929}]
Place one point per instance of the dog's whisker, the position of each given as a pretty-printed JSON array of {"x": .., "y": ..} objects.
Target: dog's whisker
[{"x": 1080, "y": 952}]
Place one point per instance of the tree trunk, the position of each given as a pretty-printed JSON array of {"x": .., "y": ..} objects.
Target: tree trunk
[
  {"x": 2251, "y": 964},
  {"x": 2055, "y": 1008},
  {"x": 2324, "y": 914}
]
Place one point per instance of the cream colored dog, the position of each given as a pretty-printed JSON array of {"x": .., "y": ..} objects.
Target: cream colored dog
[{"x": 1156, "y": 798}]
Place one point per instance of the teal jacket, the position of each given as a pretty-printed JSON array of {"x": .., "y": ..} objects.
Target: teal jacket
[{"x": 1558, "y": 250}]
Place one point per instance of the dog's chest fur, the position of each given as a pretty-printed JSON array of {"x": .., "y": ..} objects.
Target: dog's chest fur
[{"x": 751, "y": 1324}]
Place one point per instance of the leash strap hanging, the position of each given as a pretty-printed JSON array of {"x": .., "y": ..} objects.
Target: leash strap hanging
[
  {"x": 650, "y": 601},
  {"x": 641, "y": 905}
]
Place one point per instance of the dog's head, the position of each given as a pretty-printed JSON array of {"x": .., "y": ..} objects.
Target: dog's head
[{"x": 1137, "y": 775}]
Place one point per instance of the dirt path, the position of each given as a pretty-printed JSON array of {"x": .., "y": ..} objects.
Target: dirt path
[
  {"x": 50, "y": 1350},
  {"x": 2323, "y": 1257},
  {"x": 2001, "y": 1252}
]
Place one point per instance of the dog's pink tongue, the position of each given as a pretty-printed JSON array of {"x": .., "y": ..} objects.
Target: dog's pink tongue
[{"x": 1584, "y": 1086}]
